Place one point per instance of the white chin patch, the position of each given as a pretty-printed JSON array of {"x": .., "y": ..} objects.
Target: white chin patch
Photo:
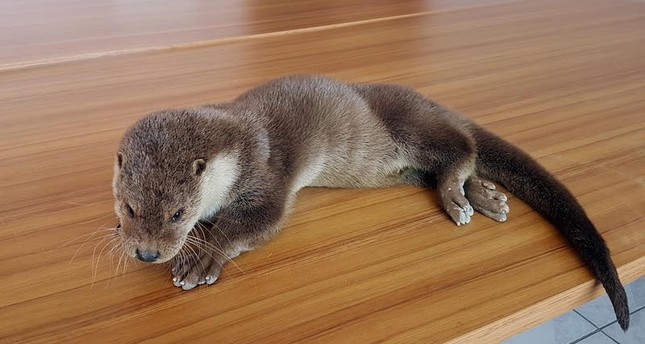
[{"x": 216, "y": 182}]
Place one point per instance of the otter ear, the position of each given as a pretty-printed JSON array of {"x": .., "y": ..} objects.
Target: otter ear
[
  {"x": 199, "y": 166},
  {"x": 119, "y": 159}
]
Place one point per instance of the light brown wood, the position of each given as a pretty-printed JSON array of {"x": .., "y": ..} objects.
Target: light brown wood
[
  {"x": 563, "y": 80},
  {"x": 41, "y": 31}
]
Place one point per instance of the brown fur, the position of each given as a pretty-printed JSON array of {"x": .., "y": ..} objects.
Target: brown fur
[{"x": 313, "y": 131}]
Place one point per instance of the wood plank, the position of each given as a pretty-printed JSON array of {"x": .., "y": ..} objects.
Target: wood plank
[
  {"x": 563, "y": 80},
  {"x": 41, "y": 31}
]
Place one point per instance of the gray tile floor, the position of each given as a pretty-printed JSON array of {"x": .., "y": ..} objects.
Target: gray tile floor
[{"x": 592, "y": 323}]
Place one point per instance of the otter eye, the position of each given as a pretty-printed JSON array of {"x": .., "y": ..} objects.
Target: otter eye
[
  {"x": 130, "y": 210},
  {"x": 177, "y": 215}
]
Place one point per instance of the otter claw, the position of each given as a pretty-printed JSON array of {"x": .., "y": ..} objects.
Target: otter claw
[
  {"x": 188, "y": 286},
  {"x": 175, "y": 282}
]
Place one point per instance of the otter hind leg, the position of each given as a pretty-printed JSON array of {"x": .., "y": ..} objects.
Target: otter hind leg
[
  {"x": 485, "y": 199},
  {"x": 448, "y": 154},
  {"x": 447, "y": 171},
  {"x": 433, "y": 138},
  {"x": 452, "y": 197}
]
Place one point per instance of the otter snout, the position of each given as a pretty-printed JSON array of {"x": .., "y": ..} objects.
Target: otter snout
[
  {"x": 147, "y": 248},
  {"x": 147, "y": 256}
]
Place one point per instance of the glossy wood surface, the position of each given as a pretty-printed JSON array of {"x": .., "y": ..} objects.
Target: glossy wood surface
[
  {"x": 46, "y": 31},
  {"x": 565, "y": 81}
]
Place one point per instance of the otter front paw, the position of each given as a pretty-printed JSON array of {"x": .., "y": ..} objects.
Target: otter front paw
[{"x": 190, "y": 271}]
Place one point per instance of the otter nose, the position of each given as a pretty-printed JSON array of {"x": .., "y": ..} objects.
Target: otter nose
[{"x": 147, "y": 256}]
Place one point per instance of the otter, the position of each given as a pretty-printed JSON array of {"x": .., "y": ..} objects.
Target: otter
[{"x": 198, "y": 186}]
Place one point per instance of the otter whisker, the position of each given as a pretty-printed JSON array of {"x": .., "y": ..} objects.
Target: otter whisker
[
  {"x": 184, "y": 256},
  {"x": 99, "y": 230},
  {"x": 111, "y": 260},
  {"x": 235, "y": 221},
  {"x": 226, "y": 257},
  {"x": 125, "y": 262},
  {"x": 225, "y": 236},
  {"x": 220, "y": 230},
  {"x": 96, "y": 247},
  {"x": 221, "y": 254},
  {"x": 182, "y": 262},
  {"x": 113, "y": 249},
  {"x": 201, "y": 228},
  {"x": 119, "y": 264},
  {"x": 201, "y": 245},
  {"x": 98, "y": 259},
  {"x": 205, "y": 244},
  {"x": 211, "y": 246},
  {"x": 220, "y": 250},
  {"x": 194, "y": 258},
  {"x": 85, "y": 242},
  {"x": 201, "y": 262},
  {"x": 83, "y": 236},
  {"x": 111, "y": 253}
]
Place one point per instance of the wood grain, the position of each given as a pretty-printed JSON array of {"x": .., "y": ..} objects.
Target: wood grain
[
  {"x": 563, "y": 80},
  {"x": 41, "y": 31}
]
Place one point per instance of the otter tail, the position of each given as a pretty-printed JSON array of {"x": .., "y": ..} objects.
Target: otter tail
[{"x": 530, "y": 182}]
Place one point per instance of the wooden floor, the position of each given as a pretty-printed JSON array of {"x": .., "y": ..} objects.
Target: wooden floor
[{"x": 564, "y": 80}]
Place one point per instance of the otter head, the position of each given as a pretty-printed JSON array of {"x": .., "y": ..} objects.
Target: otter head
[{"x": 171, "y": 170}]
